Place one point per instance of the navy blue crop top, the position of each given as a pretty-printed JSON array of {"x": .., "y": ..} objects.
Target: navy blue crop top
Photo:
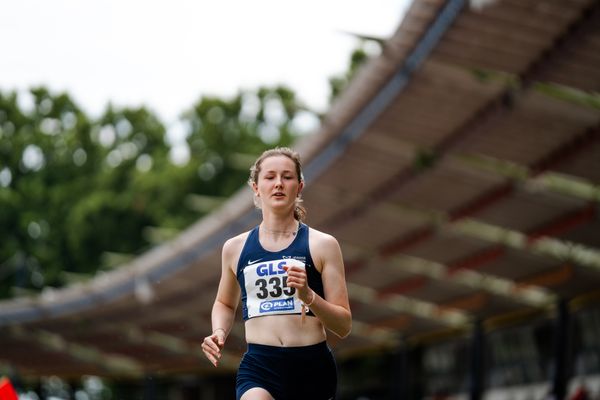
[{"x": 262, "y": 277}]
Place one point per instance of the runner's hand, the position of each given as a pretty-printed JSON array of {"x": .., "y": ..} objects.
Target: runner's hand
[
  {"x": 212, "y": 346},
  {"x": 298, "y": 280}
]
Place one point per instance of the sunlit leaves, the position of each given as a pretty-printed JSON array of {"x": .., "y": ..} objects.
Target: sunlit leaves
[{"x": 74, "y": 189}]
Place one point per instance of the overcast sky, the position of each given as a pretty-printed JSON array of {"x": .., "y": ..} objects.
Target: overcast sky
[{"x": 166, "y": 54}]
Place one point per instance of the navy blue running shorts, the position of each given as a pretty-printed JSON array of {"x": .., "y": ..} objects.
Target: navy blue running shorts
[{"x": 289, "y": 373}]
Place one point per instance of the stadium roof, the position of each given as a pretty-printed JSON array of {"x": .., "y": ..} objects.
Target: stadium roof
[{"x": 460, "y": 172}]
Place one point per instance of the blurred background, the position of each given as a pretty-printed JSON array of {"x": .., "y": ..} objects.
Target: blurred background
[{"x": 451, "y": 146}]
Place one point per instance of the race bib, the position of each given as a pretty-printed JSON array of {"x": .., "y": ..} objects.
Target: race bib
[{"x": 266, "y": 289}]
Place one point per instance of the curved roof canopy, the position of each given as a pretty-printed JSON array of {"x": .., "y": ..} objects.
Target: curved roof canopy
[{"x": 460, "y": 172}]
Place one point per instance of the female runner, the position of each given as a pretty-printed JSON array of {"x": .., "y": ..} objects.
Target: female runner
[{"x": 291, "y": 283}]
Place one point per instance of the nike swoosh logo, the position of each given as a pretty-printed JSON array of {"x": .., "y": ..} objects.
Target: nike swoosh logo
[{"x": 250, "y": 262}]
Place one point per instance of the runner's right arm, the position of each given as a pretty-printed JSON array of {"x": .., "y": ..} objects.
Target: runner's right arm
[{"x": 225, "y": 305}]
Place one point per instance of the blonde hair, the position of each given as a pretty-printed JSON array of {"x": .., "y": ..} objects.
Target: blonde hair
[{"x": 299, "y": 210}]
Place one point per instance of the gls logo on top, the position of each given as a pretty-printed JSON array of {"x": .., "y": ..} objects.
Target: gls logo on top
[{"x": 277, "y": 305}]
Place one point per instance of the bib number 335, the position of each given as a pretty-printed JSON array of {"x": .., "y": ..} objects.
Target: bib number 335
[{"x": 274, "y": 286}]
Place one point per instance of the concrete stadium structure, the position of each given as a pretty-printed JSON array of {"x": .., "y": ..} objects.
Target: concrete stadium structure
[{"x": 460, "y": 171}]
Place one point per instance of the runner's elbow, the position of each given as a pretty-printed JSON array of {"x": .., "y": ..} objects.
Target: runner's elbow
[{"x": 344, "y": 331}]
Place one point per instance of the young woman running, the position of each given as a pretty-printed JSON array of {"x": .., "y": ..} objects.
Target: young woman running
[{"x": 291, "y": 283}]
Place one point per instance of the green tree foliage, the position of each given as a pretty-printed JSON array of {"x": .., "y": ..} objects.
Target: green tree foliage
[
  {"x": 78, "y": 195},
  {"x": 358, "y": 58}
]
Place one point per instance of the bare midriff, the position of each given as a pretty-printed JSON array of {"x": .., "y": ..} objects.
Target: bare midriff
[{"x": 285, "y": 330}]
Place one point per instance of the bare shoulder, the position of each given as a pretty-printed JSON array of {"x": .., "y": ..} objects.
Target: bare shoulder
[
  {"x": 233, "y": 247},
  {"x": 323, "y": 245},
  {"x": 322, "y": 238}
]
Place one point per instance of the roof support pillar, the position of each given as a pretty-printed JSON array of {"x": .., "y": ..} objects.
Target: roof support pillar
[
  {"x": 399, "y": 388},
  {"x": 149, "y": 387},
  {"x": 477, "y": 366},
  {"x": 407, "y": 374},
  {"x": 561, "y": 348}
]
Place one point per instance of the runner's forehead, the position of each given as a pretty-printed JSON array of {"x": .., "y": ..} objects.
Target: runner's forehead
[
  {"x": 275, "y": 164},
  {"x": 276, "y": 171}
]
